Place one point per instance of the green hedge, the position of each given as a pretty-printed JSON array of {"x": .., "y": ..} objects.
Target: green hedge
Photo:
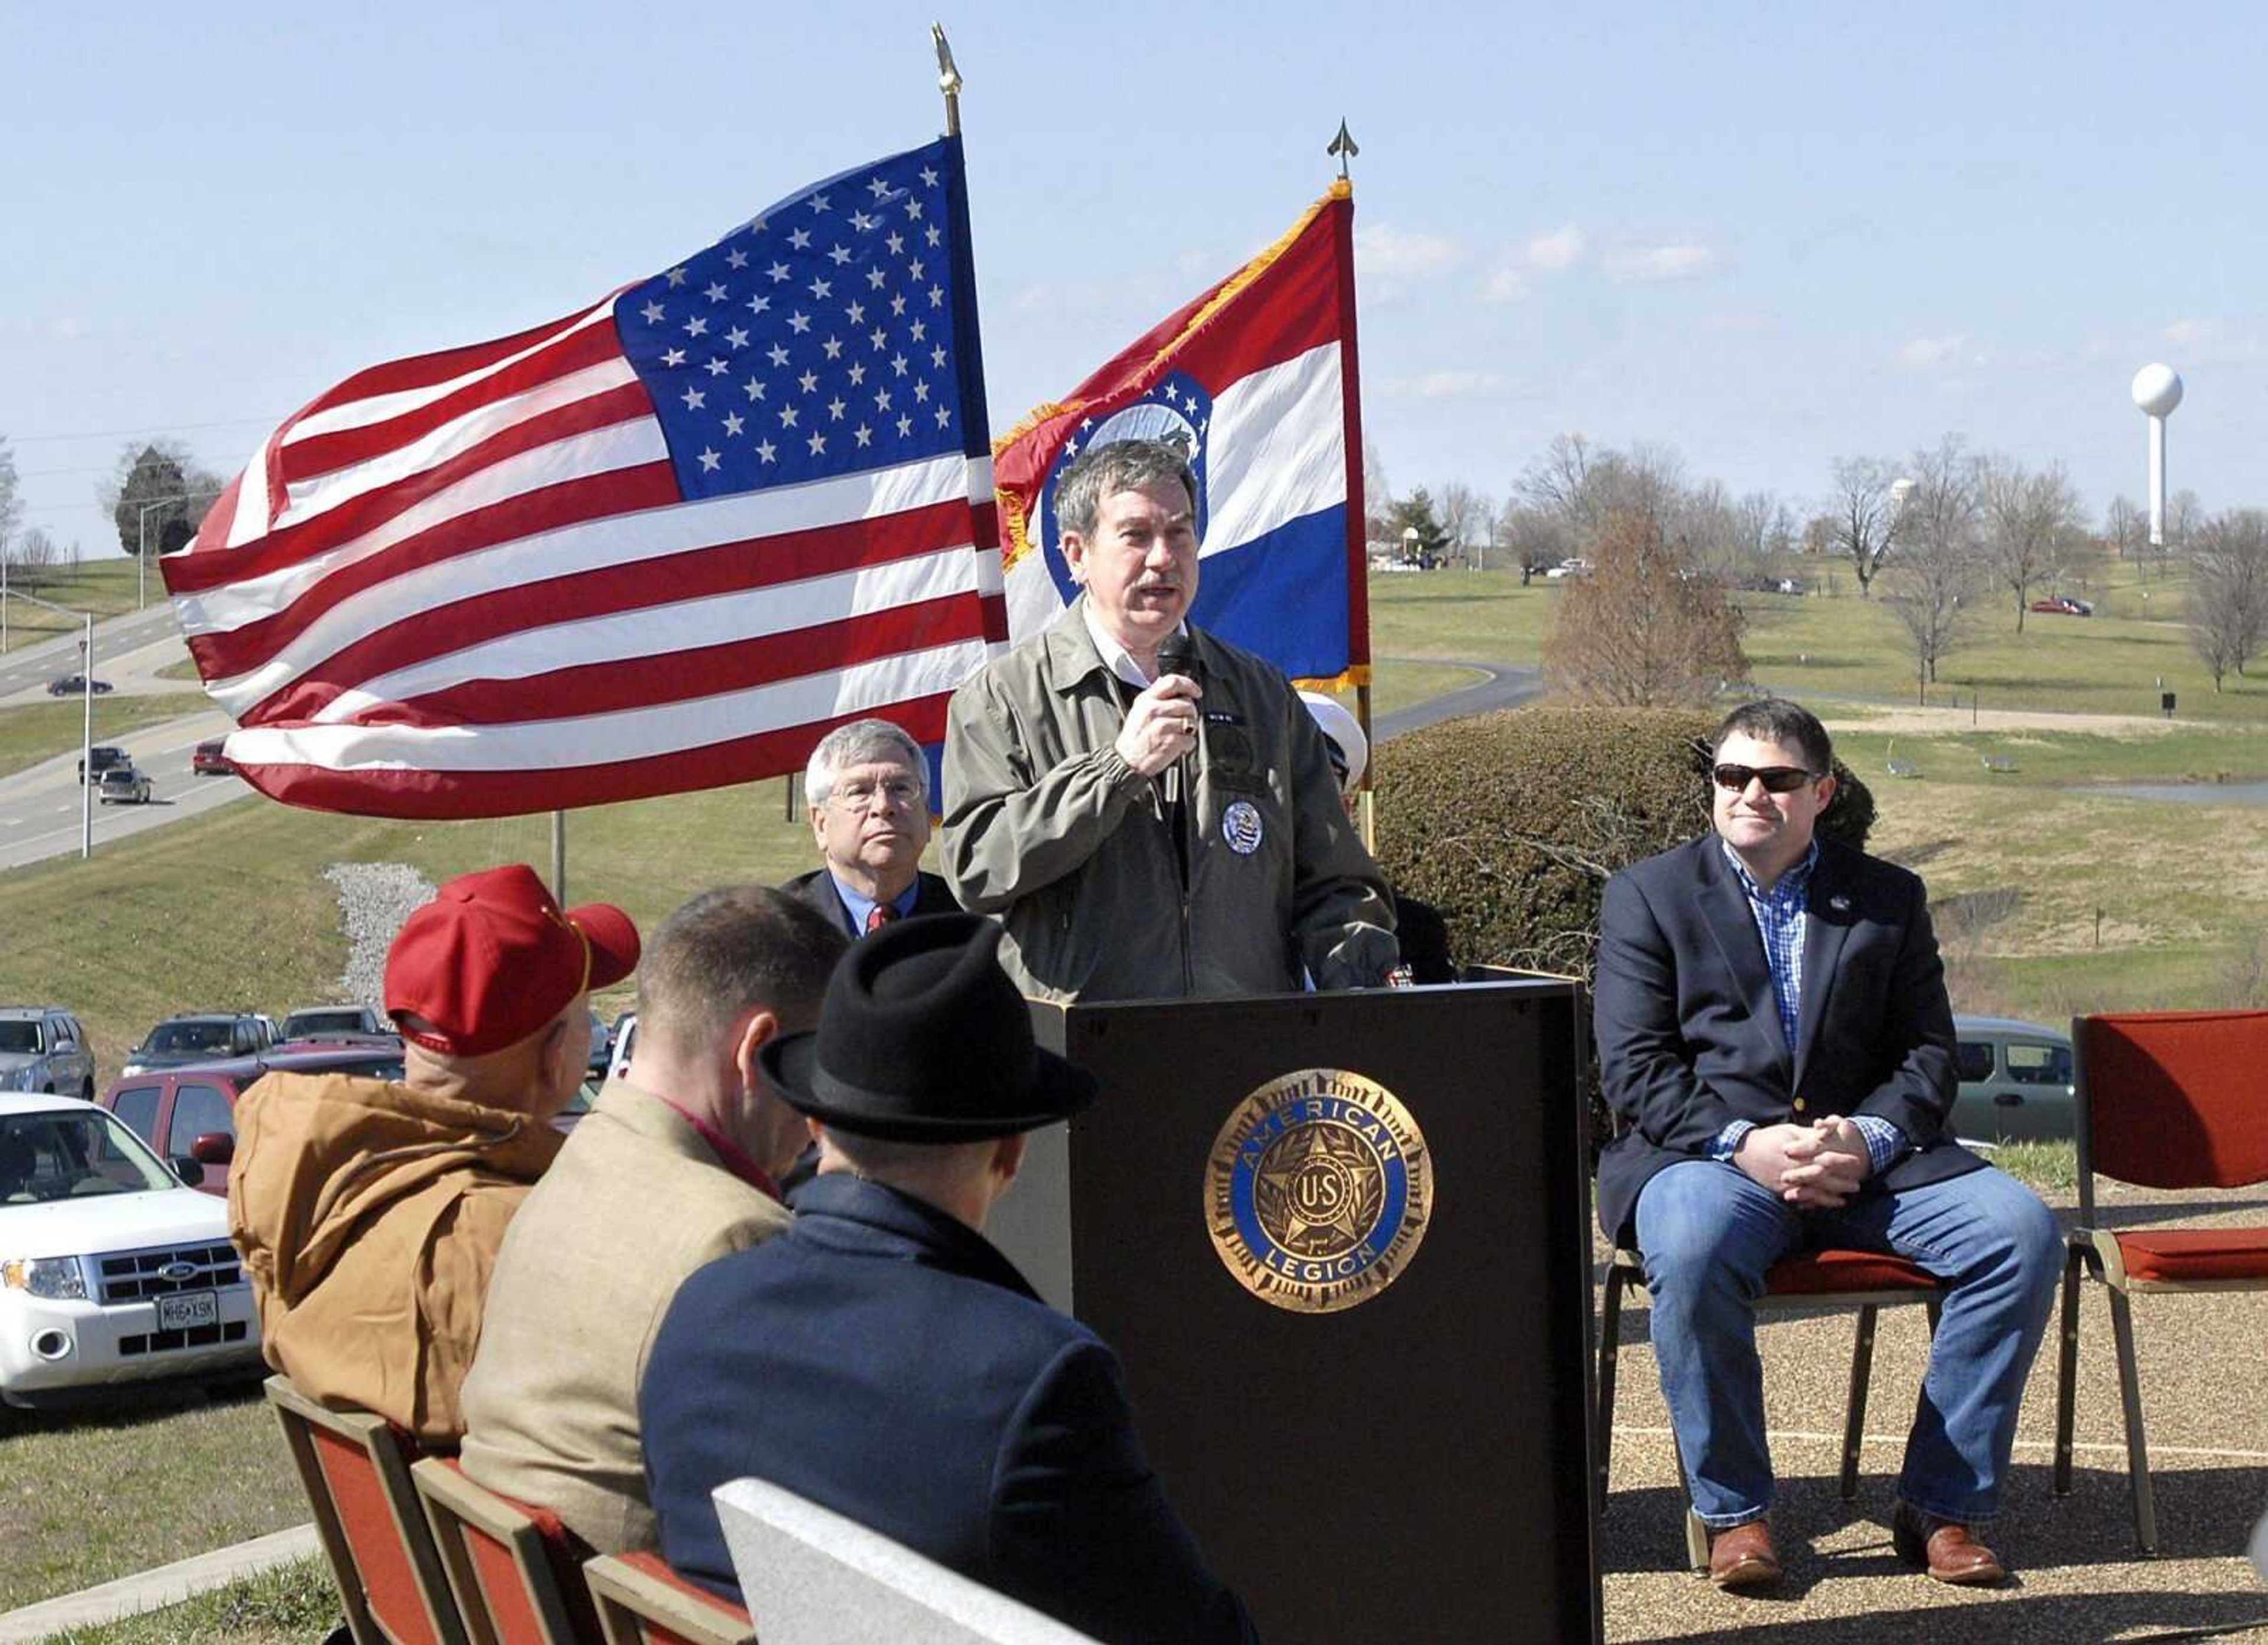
[{"x": 1510, "y": 822}]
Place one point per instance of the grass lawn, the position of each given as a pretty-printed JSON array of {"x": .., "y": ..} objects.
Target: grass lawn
[
  {"x": 293, "y": 1605},
  {"x": 105, "y": 587},
  {"x": 39, "y": 730},
  {"x": 186, "y": 669},
  {"x": 89, "y": 1496}
]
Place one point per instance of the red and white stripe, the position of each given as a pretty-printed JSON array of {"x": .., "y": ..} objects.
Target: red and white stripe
[{"x": 465, "y": 585}]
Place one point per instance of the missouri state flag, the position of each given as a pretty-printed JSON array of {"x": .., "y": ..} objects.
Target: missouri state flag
[
  {"x": 664, "y": 543},
  {"x": 1256, "y": 380}
]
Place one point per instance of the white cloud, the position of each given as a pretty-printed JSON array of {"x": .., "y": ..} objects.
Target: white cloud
[
  {"x": 1452, "y": 384},
  {"x": 1507, "y": 284},
  {"x": 1563, "y": 248},
  {"x": 1670, "y": 259},
  {"x": 1932, "y": 354},
  {"x": 1393, "y": 255}
]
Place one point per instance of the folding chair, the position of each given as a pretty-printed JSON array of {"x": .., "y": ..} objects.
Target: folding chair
[
  {"x": 641, "y": 1601},
  {"x": 515, "y": 1570},
  {"x": 355, "y": 1468},
  {"x": 2165, "y": 1100},
  {"x": 1863, "y": 1280}
]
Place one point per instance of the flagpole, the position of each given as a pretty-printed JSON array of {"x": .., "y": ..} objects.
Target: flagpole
[
  {"x": 948, "y": 80},
  {"x": 559, "y": 857},
  {"x": 1343, "y": 148}
]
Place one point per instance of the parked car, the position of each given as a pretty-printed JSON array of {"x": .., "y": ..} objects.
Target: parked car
[
  {"x": 191, "y": 1110},
  {"x": 625, "y": 1039},
  {"x": 334, "y": 1022},
  {"x": 42, "y": 1048},
  {"x": 124, "y": 784},
  {"x": 203, "y": 1037},
  {"x": 2063, "y": 606},
  {"x": 102, "y": 757},
  {"x": 1570, "y": 568},
  {"x": 113, "y": 1267},
  {"x": 2015, "y": 1081},
  {"x": 206, "y": 760},
  {"x": 76, "y": 686}
]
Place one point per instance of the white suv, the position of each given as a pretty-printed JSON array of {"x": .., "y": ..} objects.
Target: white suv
[{"x": 112, "y": 1270}]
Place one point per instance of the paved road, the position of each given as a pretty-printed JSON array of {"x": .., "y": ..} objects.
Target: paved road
[
  {"x": 34, "y": 666},
  {"x": 1505, "y": 687},
  {"x": 39, "y": 808}
]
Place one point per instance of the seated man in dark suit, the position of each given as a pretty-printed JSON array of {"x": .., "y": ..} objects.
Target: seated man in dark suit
[
  {"x": 867, "y": 786},
  {"x": 1776, "y": 1042},
  {"x": 882, "y": 1359}
]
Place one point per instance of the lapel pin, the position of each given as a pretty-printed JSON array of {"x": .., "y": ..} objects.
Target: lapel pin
[{"x": 1840, "y": 904}]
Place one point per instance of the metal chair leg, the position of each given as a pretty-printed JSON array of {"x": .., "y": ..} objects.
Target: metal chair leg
[
  {"x": 1854, "y": 1417},
  {"x": 1610, "y": 1317},
  {"x": 2075, "y": 1265},
  {"x": 2137, "y": 1450},
  {"x": 1696, "y": 1534}
]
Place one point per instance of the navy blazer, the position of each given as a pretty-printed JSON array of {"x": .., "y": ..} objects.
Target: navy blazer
[
  {"x": 882, "y": 1359},
  {"x": 932, "y": 895},
  {"x": 1689, "y": 1028}
]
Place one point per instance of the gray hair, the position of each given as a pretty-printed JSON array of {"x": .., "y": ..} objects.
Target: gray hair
[
  {"x": 1102, "y": 471},
  {"x": 731, "y": 950},
  {"x": 861, "y": 743}
]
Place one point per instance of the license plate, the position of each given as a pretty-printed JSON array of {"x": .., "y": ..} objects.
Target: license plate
[{"x": 187, "y": 1310}]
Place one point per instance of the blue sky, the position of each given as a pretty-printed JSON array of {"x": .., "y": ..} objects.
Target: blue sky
[{"x": 1767, "y": 236}]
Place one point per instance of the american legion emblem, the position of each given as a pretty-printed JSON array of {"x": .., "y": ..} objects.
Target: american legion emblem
[{"x": 1318, "y": 1191}]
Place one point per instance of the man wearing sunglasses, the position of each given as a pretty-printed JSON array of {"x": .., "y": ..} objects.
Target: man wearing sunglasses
[{"x": 1776, "y": 1042}]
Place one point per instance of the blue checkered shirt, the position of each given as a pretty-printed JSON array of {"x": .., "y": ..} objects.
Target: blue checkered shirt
[{"x": 1781, "y": 921}]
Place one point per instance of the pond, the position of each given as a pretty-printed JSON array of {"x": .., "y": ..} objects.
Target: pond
[{"x": 2190, "y": 793}]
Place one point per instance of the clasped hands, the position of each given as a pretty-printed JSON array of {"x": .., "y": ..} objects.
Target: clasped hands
[
  {"x": 1162, "y": 724},
  {"x": 1812, "y": 1167}
]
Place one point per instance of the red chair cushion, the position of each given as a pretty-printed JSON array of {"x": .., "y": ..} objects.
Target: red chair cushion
[
  {"x": 1824, "y": 1272},
  {"x": 2174, "y": 1098},
  {"x": 654, "y": 1566},
  {"x": 389, "y": 1580},
  {"x": 2196, "y": 1254}
]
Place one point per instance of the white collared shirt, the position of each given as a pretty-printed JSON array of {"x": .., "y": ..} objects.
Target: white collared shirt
[{"x": 1116, "y": 657}]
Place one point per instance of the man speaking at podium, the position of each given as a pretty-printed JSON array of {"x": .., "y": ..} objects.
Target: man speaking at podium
[{"x": 1149, "y": 811}]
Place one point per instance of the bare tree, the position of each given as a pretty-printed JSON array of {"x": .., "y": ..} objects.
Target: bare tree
[
  {"x": 1863, "y": 513},
  {"x": 2229, "y": 592},
  {"x": 1938, "y": 564},
  {"x": 2029, "y": 518},
  {"x": 1534, "y": 539},
  {"x": 2126, "y": 528},
  {"x": 12, "y": 506},
  {"x": 1763, "y": 530},
  {"x": 1377, "y": 492},
  {"x": 1641, "y": 629},
  {"x": 1464, "y": 516},
  {"x": 2185, "y": 519},
  {"x": 33, "y": 559},
  {"x": 1559, "y": 483}
]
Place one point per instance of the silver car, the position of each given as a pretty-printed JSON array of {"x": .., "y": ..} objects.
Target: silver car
[
  {"x": 42, "y": 1048},
  {"x": 2015, "y": 1081},
  {"x": 123, "y": 785}
]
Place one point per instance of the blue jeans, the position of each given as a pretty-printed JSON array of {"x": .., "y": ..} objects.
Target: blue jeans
[{"x": 1708, "y": 1232}]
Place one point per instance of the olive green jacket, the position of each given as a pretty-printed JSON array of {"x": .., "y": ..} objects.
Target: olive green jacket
[{"x": 1047, "y": 828}]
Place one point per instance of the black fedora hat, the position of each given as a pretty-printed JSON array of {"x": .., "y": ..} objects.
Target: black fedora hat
[{"x": 922, "y": 1038}]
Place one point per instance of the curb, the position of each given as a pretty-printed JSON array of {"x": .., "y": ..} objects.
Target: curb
[{"x": 169, "y": 1585}]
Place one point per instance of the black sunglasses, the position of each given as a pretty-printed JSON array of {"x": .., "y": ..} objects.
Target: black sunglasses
[{"x": 1776, "y": 779}]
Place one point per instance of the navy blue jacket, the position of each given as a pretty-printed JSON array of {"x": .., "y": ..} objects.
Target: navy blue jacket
[
  {"x": 883, "y": 1360},
  {"x": 932, "y": 895},
  {"x": 1689, "y": 1028}
]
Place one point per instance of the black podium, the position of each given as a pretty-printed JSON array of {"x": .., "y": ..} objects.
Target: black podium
[{"x": 1342, "y": 1242}]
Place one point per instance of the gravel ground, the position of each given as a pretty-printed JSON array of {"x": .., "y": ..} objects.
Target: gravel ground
[
  {"x": 374, "y": 899},
  {"x": 2077, "y": 1573}
]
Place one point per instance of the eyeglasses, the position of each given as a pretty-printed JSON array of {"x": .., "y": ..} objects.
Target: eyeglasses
[{"x": 1776, "y": 779}]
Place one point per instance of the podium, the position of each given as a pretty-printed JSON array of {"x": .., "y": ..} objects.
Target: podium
[{"x": 1342, "y": 1242}]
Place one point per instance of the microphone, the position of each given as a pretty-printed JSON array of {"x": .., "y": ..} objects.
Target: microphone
[{"x": 1177, "y": 654}]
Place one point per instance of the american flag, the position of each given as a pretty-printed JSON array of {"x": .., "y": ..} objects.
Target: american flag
[{"x": 666, "y": 543}]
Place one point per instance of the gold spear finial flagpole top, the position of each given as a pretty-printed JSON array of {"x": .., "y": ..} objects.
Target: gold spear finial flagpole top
[
  {"x": 1342, "y": 146},
  {"x": 948, "y": 80}
]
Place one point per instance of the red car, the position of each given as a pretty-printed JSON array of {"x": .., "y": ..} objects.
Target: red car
[
  {"x": 2063, "y": 606},
  {"x": 207, "y": 760}
]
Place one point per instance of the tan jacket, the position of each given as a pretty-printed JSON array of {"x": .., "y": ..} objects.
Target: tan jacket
[
  {"x": 634, "y": 1204},
  {"x": 1047, "y": 828},
  {"x": 369, "y": 1215}
]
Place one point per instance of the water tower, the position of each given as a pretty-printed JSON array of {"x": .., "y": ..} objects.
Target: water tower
[{"x": 2157, "y": 391}]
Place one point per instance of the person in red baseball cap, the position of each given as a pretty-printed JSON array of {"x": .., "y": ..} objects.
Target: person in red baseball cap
[{"x": 369, "y": 1211}]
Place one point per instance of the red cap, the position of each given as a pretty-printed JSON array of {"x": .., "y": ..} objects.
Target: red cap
[{"x": 491, "y": 959}]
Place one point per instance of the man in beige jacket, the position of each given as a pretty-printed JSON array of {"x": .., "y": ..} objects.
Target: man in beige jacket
[
  {"x": 369, "y": 1211},
  {"x": 672, "y": 1169}
]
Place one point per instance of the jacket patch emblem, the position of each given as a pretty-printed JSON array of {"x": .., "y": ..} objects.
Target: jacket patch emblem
[
  {"x": 1241, "y": 828},
  {"x": 1318, "y": 1190}
]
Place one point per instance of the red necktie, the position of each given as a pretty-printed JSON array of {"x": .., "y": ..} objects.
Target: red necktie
[{"x": 879, "y": 915}]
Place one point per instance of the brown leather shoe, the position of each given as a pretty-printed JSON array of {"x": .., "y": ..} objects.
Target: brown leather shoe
[
  {"x": 1949, "y": 1551},
  {"x": 1742, "y": 1557}
]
